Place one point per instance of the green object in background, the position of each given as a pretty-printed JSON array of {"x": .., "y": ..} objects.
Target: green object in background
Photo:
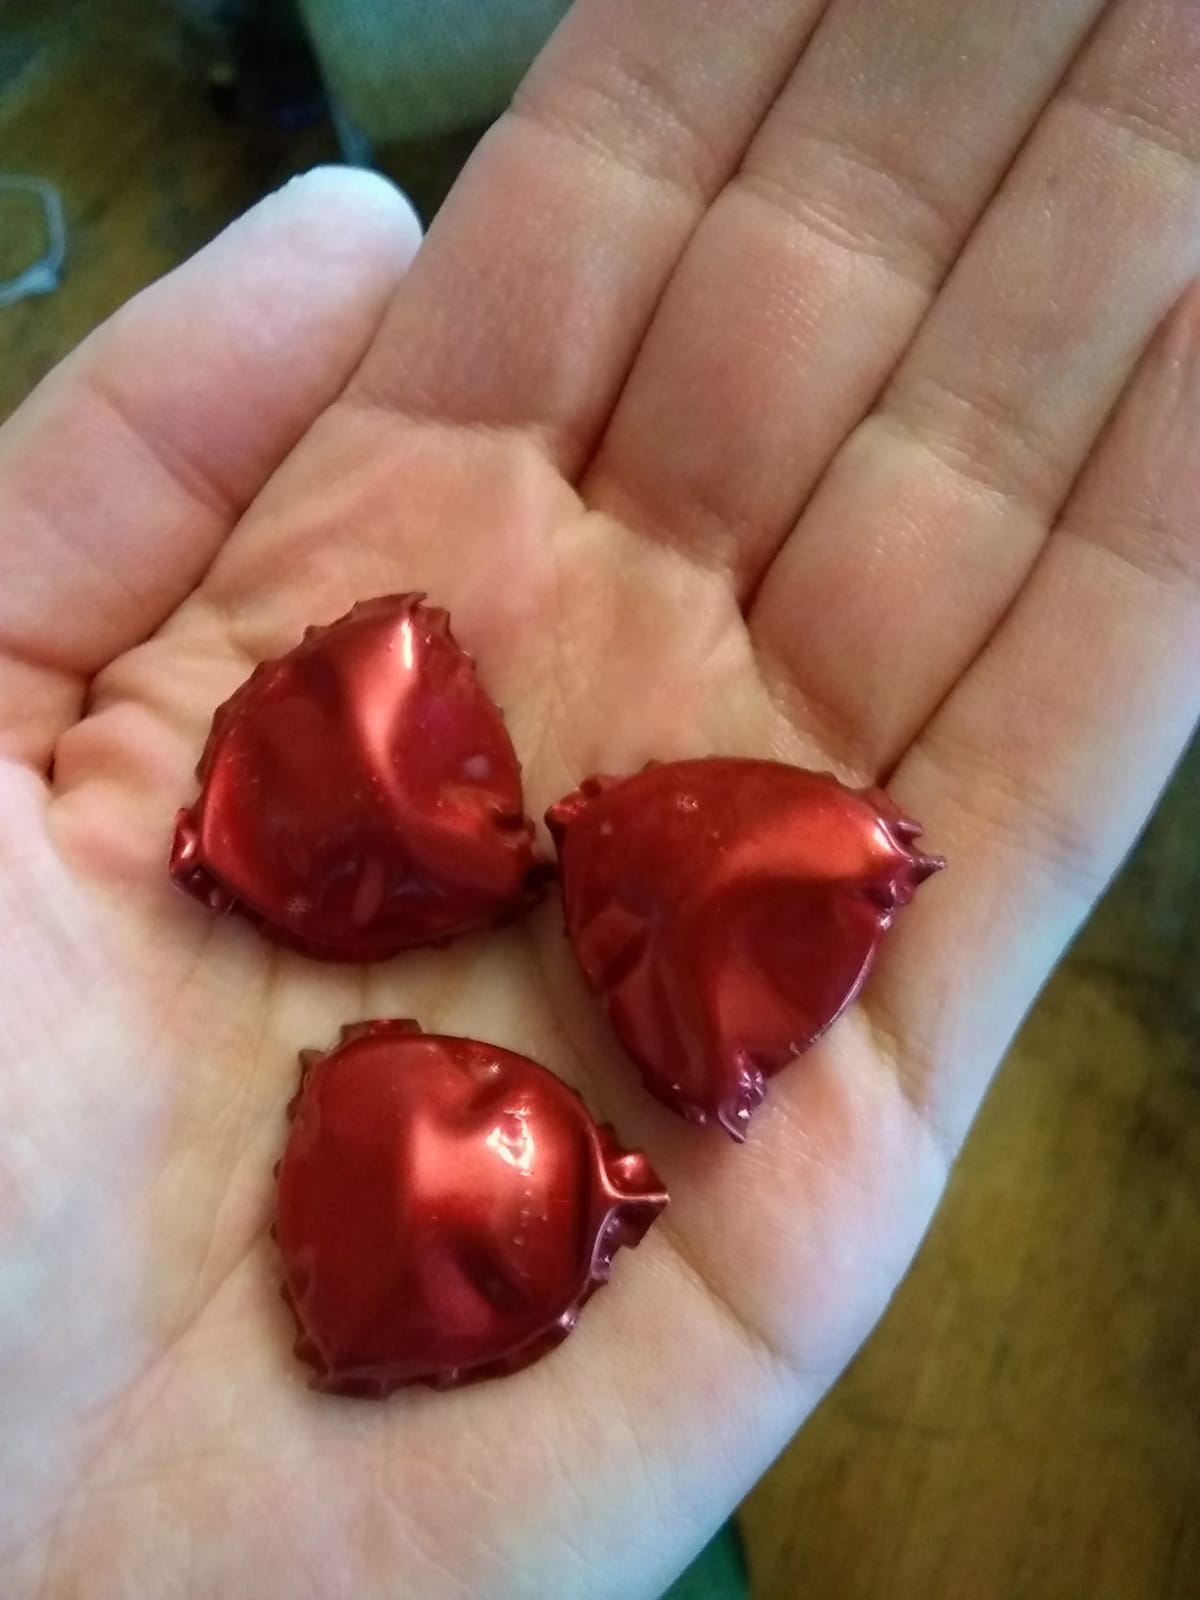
[
  {"x": 399, "y": 70},
  {"x": 718, "y": 1572}
]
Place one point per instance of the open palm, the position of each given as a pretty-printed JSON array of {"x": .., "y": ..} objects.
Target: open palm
[{"x": 774, "y": 382}]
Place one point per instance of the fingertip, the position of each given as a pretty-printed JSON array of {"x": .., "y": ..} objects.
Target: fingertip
[{"x": 351, "y": 208}]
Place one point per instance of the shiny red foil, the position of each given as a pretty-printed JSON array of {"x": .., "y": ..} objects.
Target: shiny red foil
[
  {"x": 361, "y": 795},
  {"x": 727, "y": 911},
  {"x": 445, "y": 1208}
]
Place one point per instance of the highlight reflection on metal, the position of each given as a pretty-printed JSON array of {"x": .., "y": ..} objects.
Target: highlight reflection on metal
[
  {"x": 407, "y": 648},
  {"x": 727, "y": 911},
  {"x": 445, "y": 1208},
  {"x": 361, "y": 795},
  {"x": 519, "y": 1151}
]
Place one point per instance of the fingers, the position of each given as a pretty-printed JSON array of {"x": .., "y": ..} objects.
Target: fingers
[
  {"x": 1038, "y": 771},
  {"x": 543, "y": 269},
  {"x": 930, "y": 517},
  {"x": 814, "y": 267},
  {"x": 124, "y": 472}
]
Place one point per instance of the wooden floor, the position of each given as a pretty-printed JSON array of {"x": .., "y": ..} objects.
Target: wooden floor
[{"x": 1025, "y": 1424}]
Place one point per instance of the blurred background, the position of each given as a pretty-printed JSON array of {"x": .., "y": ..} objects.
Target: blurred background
[{"x": 1025, "y": 1423}]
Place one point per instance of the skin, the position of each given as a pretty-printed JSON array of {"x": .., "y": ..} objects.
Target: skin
[{"x": 815, "y": 383}]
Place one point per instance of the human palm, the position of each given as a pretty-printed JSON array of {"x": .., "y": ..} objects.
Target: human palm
[{"x": 697, "y": 463}]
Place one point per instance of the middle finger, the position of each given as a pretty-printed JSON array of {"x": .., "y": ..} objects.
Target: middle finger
[{"x": 815, "y": 265}]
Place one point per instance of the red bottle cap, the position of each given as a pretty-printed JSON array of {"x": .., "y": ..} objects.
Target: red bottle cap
[
  {"x": 727, "y": 912},
  {"x": 445, "y": 1208},
  {"x": 361, "y": 795}
]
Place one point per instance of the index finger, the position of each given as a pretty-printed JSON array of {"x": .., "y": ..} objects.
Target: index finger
[{"x": 545, "y": 265}]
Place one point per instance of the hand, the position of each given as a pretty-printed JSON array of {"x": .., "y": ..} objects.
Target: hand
[{"x": 743, "y": 398}]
